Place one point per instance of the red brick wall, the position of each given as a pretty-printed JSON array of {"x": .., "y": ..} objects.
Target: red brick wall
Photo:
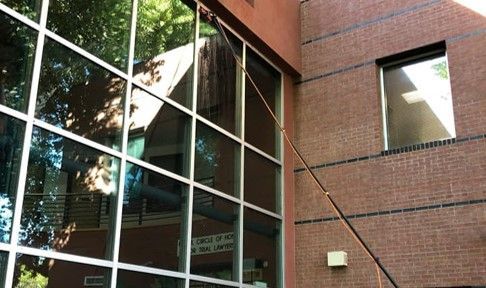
[
  {"x": 422, "y": 212},
  {"x": 271, "y": 26}
]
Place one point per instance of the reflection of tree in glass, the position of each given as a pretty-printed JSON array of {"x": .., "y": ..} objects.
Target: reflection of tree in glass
[
  {"x": 39, "y": 226},
  {"x": 100, "y": 27},
  {"x": 28, "y": 8},
  {"x": 79, "y": 96},
  {"x": 16, "y": 54},
  {"x": 162, "y": 25},
  {"x": 6, "y": 214},
  {"x": 206, "y": 154},
  {"x": 62, "y": 191},
  {"x": 31, "y": 279},
  {"x": 441, "y": 70}
]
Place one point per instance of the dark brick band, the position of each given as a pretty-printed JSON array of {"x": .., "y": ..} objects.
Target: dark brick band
[
  {"x": 395, "y": 211},
  {"x": 341, "y": 70},
  {"x": 367, "y": 63},
  {"x": 372, "y": 21},
  {"x": 395, "y": 151}
]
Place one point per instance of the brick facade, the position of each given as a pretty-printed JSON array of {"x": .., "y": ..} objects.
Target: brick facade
[{"x": 422, "y": 211}]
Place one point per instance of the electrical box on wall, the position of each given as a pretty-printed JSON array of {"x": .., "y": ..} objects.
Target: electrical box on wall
[{"x": 337, "y": 259}]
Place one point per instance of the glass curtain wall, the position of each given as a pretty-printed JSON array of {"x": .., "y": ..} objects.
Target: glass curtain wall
[{"x": 134, "y": 152}]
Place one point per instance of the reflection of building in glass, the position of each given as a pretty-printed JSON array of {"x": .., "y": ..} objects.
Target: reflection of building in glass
[
  {"x": 131, "y": 151},
  {"x": 136, "y": 152}
]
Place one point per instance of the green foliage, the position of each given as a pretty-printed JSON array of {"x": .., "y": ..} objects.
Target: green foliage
[
  {"x": 28, "y": 8},
  {"x": 441, "y": 70},
  {"x": 162, "y": 25},
  {"x": 100, "y": 27},
  {"x": 16, "y": 56},
  {"x": 30, "y": 279}
]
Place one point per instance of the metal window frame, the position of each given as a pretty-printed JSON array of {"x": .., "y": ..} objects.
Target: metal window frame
[
  {"x": 44, "y": 34},
  {"x": 409, "y": 60}
]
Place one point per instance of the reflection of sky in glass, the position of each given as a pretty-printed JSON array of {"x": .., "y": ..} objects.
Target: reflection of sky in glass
[
  {"x": 432, "y": 89},
  {"x": 6, "y": 215}
]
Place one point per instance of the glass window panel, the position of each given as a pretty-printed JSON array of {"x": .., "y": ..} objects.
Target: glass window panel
[
  {"x": 261, "y": 246},
  {"x": 418, "y": 102},
  {"x": 29, "y": 8},
  {"x": 217, "y": 160},
  {"x": 69, "y": 197},
  {"x": 159, "y": 133},
  {"x": 17, "y": 47},
  {"x": 262, "y": 182},
  {"x": 214, "y": 245},
  {"x": 3, "y": 267},
  {"x": 40, "y": 272},
  {"x": 194, "y": 284},
  {"x": 80, "y": 97},
  {"x": 219, "y": 78},
  {"x": 11, "y": 139},
  {"x": 100, "y": 27},
  {"x": 129, "y": 279},
  {"x": 154, "y": 220},
  {"x": 260, "y": 128},
  {"x": 164, "y": 47}
]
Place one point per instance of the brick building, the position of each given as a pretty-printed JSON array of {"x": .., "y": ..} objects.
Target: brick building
[
  {"x": 421, "y": 208},
  {"x": 134, "y": 151}
]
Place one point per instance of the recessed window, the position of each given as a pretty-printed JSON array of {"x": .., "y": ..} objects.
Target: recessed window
[{"x": 417, "y": 100}]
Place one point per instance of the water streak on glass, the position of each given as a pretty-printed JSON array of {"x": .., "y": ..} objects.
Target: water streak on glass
[
  {"x": 69, "y": 197},
  {"x": 219, "y": 78}
]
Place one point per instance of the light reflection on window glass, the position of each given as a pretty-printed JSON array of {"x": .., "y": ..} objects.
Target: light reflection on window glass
[
  {"x": 40, "y": 272},
  {"x": 69, "y": 197},
  {"x": 100, "y": 27},
  {"x": 164, "y": 47},
  {"x": 418, "y": 102},
  {"x": 11, "y": 138},
  {"x": 79, "y": 96},
  {"x": 159, "y": 133},
  {"x": 17, "y": 46}
]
